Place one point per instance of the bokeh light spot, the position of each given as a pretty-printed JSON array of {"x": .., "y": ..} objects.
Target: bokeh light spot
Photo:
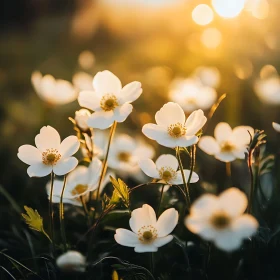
[
  {"x": 228, "y": 8},
  {"x": 211, "y": 38},
  {"x": 202, "y": 14}
]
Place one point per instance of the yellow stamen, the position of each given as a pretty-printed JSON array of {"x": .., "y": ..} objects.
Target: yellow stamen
[{"x": 109, "y": 102}]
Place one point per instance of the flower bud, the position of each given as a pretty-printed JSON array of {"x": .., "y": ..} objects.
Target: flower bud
[
  {"x": 81, "y": 118},
  {"x": 72, "y": 261}
]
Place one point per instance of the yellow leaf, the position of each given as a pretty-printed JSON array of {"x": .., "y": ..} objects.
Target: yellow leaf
[
  {"x": 115, "y": 275},
  {"x": 121, "y": 192}
]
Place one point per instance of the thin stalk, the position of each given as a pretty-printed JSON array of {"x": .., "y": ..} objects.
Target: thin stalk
[
  {"x": 251, "y": 195},
  {"x": 104, "y": 167},
  {"x": 183, "y": 176},
  {"x": 51, "y": 212},
  {"x": 228, "y": 169},
  {"x": 85, "y": 210},
  {"x": 61, "y": 215},
  {"x": 193, "y": 155},
  {"x": 160, "y": 199}
]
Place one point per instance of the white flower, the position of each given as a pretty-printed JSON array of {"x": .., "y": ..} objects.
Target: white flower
[
  {"x": 190, "y": 94},
  {"x": 172, "y": 129},
  {"x": 208, "y": 76},
  {"x": 49, "y": 154},
  {"x": 148, "y": 233},
  {"x": 81, "y": 118},
  {"x": 228, "y": 143},
  {"x": 109, "y": 101},
  {"x": 82, "y": 81},
  {"x": 80, "y": 182},
  {"x": 165, "y": 169},
  {"x": 221, "y": 219},
  {"x": 71, "y": 261},
  {"x": 125, "y": 153},
  {"x": 276, "y": 126},
  {"x": 55, "y": 92},
  {"x": 268, "y": 90}
]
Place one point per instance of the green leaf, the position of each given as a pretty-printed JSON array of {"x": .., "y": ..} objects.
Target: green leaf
[
  {"x": 33, "y": 219},
  {"x": 121, "y": 192}
]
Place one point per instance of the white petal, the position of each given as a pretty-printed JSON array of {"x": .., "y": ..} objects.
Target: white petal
[
  {"x": 29, "y": 154},
  {"x": 222, "y": 132},
  {"x": 106, "y": 82},
  {"x": 276, "y": 126},
  {"x": 240, "y": 153},
  {"x": 94, "y": 171},
  {"x": 170, "y": 113},
  {"x": 69, "y": 146},
  {"x": 209, "y": 145},
  {"x": 227, "y": 241},
  {"x": 245, "y": 226},
  {"x": 154, "y": 131},
  {"x": 167, "y": 161},
  {"x": 64, "y": 166},
  {"x": 143, "y": 248},
  {"x": 167, "y": 222},
  {"x": 241, "y": 136},
  {"x": 179, "y": 179},
  {"x": 126, "y": 237},
  {"x": 89, "y": 99},
  {"x": 205, "y": 205},
  {"x": 233, "y": 201},
  {"x": 123, "y": 142},
  {"x": 122, "y": 112},
  {"x": 186, "y": 141},
  {"x": 225, "y": 157},
  {"x": 78, "y": 176},
  {"x": 195, "y": 122},
  {"x": 39, "y": 170},
  {"x": 161, "y": 241},
  {"x": 149, "y": 168},
  {"x": 48, "y": 138},
  {"x": 130, "y": 92},
  {"x": 144, "y": 216},
  {"x": 101, "y": 119}
]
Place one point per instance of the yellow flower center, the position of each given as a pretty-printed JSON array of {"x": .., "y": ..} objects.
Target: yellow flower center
[
  {"x": 220, "y": 220},
  {"x": 124, "y": 156},
  {"x": 51, "y": 157},
  {"x": 109, "y": 102},
  {"x": 147, "y": 234},
  {"x": 176, "y": 130},
  {"x": 227, "y": 147},
  {"x": 79, "y": 189},
  {"x": 167, "y": 173}
]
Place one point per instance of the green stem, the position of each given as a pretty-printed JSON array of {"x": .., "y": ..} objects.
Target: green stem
[
  {"x": 85, "y": 210},
  {"x": 183, "y": 176},
  {"x": 104, "y": 167},
  {"x": 51, "y": 212},
  {"x": 193, "y": 154},
  {"x": 61, "y": 215},
  {"x": 160, "y": 200},
  {"x": 251, "y": 195}
]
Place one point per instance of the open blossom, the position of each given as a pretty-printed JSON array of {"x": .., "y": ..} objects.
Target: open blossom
[
  {"x": 53, "y": 91},
  {"x": 148, "y": 233},
  {"x": 109, "y": 100},
  {"x": 80, "y": 182},
  {"x": 191, "y": 94},
  {"x": 172, "y": 129},
  {"x": 71, "y": 261},
  {"x": 228, "y": 143},
  {"x": 50, "y": 154},
  {"x": 165, "y": 169},
  {"x": 81, "y": 118},
  {"x": 125, "y": 152},
  {"x": 276, "y": 126},
  {"x": 221, "y": 219}
]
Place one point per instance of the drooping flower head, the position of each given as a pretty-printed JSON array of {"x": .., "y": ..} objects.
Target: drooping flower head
[
  {"x": 71, "y": 261},
  {"x": 80, "y": 182},
  {"x": 109, "y": 100},
  {"x": 165, "y": 169},
  {"x": 191, "y": 94},
  {"x": 221, "y": 219},
  {"x": 148, "y": 233},
  {"x": 172, "y": 129},
  {"x": 50, "y": 154},
  {"x": 228, "y": 143},
  {"x": 53, "y": 91},
  {"x": 125, "y": 152}
]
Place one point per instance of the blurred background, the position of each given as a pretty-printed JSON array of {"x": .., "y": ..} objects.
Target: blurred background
[{"x": 231, "y": 45}]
